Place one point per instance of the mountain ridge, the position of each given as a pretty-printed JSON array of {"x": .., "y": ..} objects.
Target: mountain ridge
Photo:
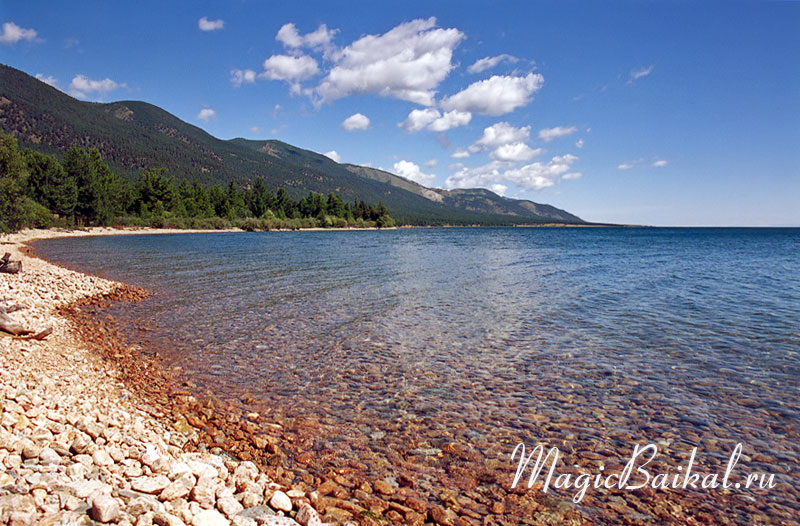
[{"x": 134, "y": 135}]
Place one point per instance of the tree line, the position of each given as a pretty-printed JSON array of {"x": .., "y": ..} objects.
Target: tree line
[{"x": 38, "y": 190}]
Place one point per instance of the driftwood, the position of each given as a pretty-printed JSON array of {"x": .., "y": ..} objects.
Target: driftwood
[
  {"x": 13, "y": 327},
  {"x": 9, "y": 267},
  {"x": 41, "y": 335},
  {"x": 10, "y": 325}
]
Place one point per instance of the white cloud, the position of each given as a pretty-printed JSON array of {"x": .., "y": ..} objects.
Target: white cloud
[
  {"x": 534, "y": 176},
  {"x": 242, "y": 76},
  {"x": 499, "y": 134},
  {"x": 660, "y": 163},
  {"x": 572, "y": 175},
  {"x": 289, "y": 36},
  {"x": 50, "y": 80},
  {"x": 419, "y": 119},
  {"x": 548, "y": 134},
  {"x": 480, "y": 176},
  {"x": 430, "y": 163},
  {"x": 412, "y": 172},
  {"x": 490, "y": 62},
  {"x": 579, "y": 143},
  {"x": 460, "y": 154},
  {"x": 495, "y": 96},
  {"x": 451, "y": 119},
  {"x": 625, "y": 166},
  {"x": 515, "y": 152},
  {"x": 206, "y": 114},
  {"x": 290, "y": 68},
  {"x": 408, "y": 62},
  {"x": 82, "y": 86},
  {"x": 636, "y": 74},
  {"x": 499, "y": 189},
  {"x": 434, "y": 120},
  {"x": 12, "y": 34},
  {"x": 333, "y": 155},
  {"x": 255, "y": 129},
  {"x": 356, "y": 121},
  {"x": 321, "y": 38},
  {"x": 210, "y": 25}
]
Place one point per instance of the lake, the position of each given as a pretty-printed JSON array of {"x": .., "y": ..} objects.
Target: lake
[{"x": 394, "y": 345}]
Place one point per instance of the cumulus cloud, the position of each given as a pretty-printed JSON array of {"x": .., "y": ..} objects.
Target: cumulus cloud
[
  {"x": 497, "y": 95},
  {"x": 451, "y": 119},
  {"x": 290, "y": 68},
  {"x": 50, "y": 80},
  {"x": 515, "y": 152},
  {"x": 408, "y": 62},
  {"x": 356, "y": 121},
  {"x": 490, "y": 62},
  {"x": 419, "y": 119},
  {"x": 499, "y": 134},
  {"x": 499, "y": 189},
  {"x": 460, "y": 154},
  {"x": 636, "y": 74},
  {"x": 320, "y": 39},
  {"x": 289, "y": 36},
  {"x": 434, "y": 120},
  {"x": 412, "y": 172},
  {"x": 625, "y": 166},
  {"x": 579, "y": 143},
  {"x": 430, "y": 163},
  {"x": 206, "y": 114},
  {"x": 82, "y": 87},
  {"x": 210, "y": 25},
  {"x": 333, "y": 155},
  {"x": 548, "y": 134},
  {"x": 12, "y": 34},
  {"x": 242, "y": 76},
  {"x": 660, "y": 163},
  {"x": 534, "y": 176}
]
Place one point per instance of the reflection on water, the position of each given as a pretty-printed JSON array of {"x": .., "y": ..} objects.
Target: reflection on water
[{"x": 406, "y": 340}]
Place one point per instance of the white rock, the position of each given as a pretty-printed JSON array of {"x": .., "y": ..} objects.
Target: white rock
[
  {"x": 150, "y": 485},
  {"x": 308, "y": 516},
  {"x": 104, "y": 507},
  {"x": 49, "y": 456},
  {"x": 178, "y": 488},
  {"x": 229, "y": 506},
  {"x": 102, "y": 458},
  {"x": 281, "y": 501},
  {"x": 83, "y": 488},
  {"x": 210, "y": 518}
]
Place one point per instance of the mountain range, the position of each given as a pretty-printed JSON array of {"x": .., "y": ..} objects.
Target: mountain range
[{"x": 133, "y": 136}]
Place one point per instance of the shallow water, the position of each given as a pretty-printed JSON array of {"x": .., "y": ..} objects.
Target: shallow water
[{"x": 404, "y": 340}]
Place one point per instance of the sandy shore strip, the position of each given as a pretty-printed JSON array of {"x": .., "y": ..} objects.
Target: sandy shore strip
[{"x": 78, "y": 444}]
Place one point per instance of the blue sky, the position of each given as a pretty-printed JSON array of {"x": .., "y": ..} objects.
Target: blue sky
[{"x": 652, "y": 112}]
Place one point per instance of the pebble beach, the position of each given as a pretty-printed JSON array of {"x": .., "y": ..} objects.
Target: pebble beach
[{"x": 79, "y": 445}]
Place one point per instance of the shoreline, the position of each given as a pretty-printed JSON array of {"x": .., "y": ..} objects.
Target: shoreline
[
  {"x": 228, "y": 434},
  {"x": 80, "y": 439},
  {"x": 179, "y": 420}
]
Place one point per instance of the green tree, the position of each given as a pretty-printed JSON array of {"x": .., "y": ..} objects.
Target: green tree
[
  {"x": 100, "y": 192},
  {"x": 154, "y": 188},
  {"x": 49, "y": 184},
  {"x": 12, "y": 178}
]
